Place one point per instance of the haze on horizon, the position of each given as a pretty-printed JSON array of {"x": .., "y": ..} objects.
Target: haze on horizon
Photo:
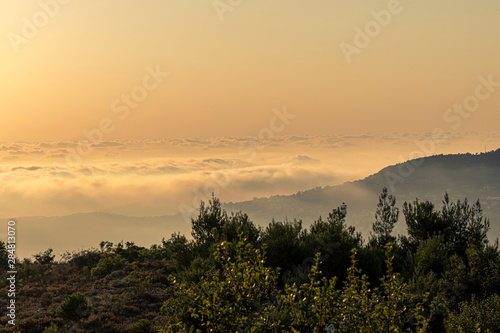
[
  {"x": 206, "y": 81},
  {"x": 157, "y": 177}
]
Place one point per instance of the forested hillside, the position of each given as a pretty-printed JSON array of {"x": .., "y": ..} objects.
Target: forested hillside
[
  {"x": 462, "y": 175},
  {"x": 233, "y": 276}
]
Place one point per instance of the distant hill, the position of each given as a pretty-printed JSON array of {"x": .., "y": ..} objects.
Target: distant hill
[{"x": 461, "y": 175}]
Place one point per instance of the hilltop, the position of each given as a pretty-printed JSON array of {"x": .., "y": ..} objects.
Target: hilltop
[{"x": 472, "y": 176}]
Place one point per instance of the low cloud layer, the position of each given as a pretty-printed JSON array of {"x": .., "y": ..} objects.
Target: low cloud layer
[{"x": 157, "y": 177}]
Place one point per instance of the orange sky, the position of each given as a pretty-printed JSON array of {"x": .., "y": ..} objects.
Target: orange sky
[{"x": 225, "y": 76}]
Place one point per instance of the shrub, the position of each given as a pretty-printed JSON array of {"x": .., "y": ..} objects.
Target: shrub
[
  {"x": 85, "y": 258},
  {"x": 227, "y": 300},
  {"x": 4, "y": 256},
  {"x": 139, "y": 279},
  {"x": 45, "y": 258},
  {"x": 29, "y": 271},
  {"x": 51, "y": 329},
  {"x": 142, "y": 326},
  {"x": 75, "y": 307},
  {"x": 108, "y": 264},
  {"x": 475, "y": 316},
  {"x": 318, "y": 305},
  {"x": 242, "y": 297},
  {"x": 130, "y": 252}
]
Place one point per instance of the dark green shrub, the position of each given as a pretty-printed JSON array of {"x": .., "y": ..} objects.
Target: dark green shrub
[
  {"x": 45, "y": 258},
  {"x": 130, "y": 251},
  {"x": 179, "y": 249},
  {"x": 4, "y": 256},
  {"x": 75, "y": 307},
  {"x": 283, "y": 243},
  {"x": 29, "y": 271},
  {"x": 206, "y": 228},
  {"x": 85, "y": 258}
]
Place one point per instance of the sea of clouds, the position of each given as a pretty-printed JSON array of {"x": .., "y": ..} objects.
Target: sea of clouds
[{"x": 156, "y": 177}]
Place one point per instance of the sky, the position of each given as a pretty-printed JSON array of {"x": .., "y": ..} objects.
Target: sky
[
  {"x": 131, "y": 106},
  {"x": 229, "y": 68}
]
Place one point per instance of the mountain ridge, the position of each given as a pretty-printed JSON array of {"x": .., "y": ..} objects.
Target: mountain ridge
[{"x": 429, "y": 180}]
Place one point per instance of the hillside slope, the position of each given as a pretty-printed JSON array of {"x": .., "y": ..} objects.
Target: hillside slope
[{"x": 462, "y": 176}]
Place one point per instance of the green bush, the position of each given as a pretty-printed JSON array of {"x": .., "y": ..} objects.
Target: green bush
[
  {"x": 475, "y": 316},
  {"x": 242, "y": 297},
  {"x": 51, "y": 329},
  {"x": 108, "y": 264},
  {"x": 225, "y": 300},
  {"x": 139, "y": 279},
  {"x": 142, "y": 326},
  {"x": 318, "y": 306},
  {"x": 29, "y": 271},
  {"x": 75, "y": 307}
]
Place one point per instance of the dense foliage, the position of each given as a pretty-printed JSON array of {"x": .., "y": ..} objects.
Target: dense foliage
[{"x": 234, "y": 276}]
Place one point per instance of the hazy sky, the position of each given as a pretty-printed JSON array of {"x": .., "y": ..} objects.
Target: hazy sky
[{"x": 229, "y": 67}]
